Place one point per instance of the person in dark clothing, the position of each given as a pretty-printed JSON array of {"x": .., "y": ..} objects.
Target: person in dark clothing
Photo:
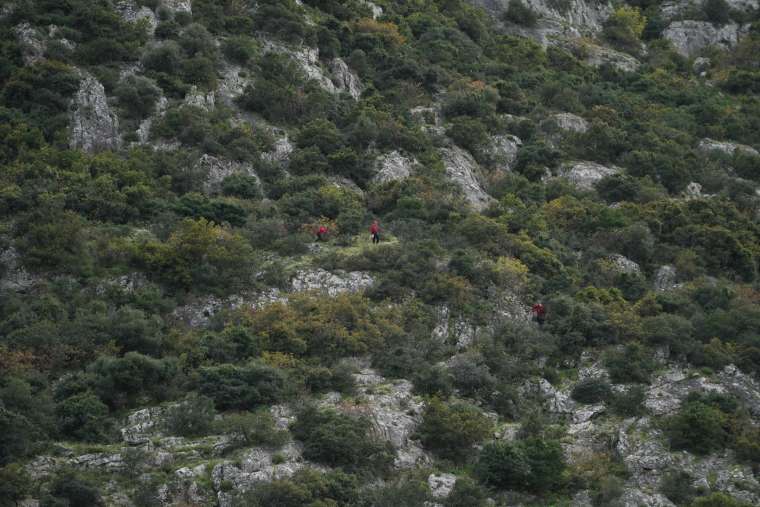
[
  {"x": 374, "y": 231},
  {"x": 321, "y": 233},
  {"x": 539, "y": 313}
]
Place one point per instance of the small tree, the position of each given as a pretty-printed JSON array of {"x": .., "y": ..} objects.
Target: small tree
[
  {"x": 452, "y": 430},
  {"x": 192, "y": 417}
]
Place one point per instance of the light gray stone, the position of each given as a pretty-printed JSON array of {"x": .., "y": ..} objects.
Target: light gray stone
[
  {"x": 31, "y": 42},
  {"x": 176, "y": 6},
  {"x": 585, "y": 175},
  {"x": 199, "y": 99},
  {"x": 569, "y": 122},
  {"x": 345, "y": 79},
  {"x": 690, "y": 37},
  {"x": 217, "y": 169},
  {"x": 94, "y": 126},
  {"x": 665, "y": 278},
  {"x": 502, "y": 151},
  {"x": 728, "y": 148},
  {"x": 131, "y": 13},
  {"x": 441, "y": 485},
  {"x": 331, "y": 283},
  {"x": 624, "y": 265},
  {"x": 393, "y": 166},
  {"x": 13, "y": 276},
  {"x": 462, "y": 169}
]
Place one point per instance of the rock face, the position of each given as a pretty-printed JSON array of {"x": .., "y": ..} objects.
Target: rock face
[
  {"x": 345, "y": 79},
  {"x": 257, "y": 465},
  {"x": 585, "y": 175},
  {"x": 393, "y": 166},
  {"x": 331, "y": 283},
  {"x": 232, "y": 84},
  {"x": 690, "y": 37},
  {"x": 708, "y": 145},
  {"x": 178, "y": 5},
  {"x": 502, "y": 151},
  {"x": 13, "y": 276},
  {"x": 199, "y": 99},
  {"x": 665, "y": 278},
  {"x": 94, "y": 126},
  {"x": 574, "y": 18},
  {"x": 216, "y": 170},
  {"x": 308, "y": 60},
  {"x": 677, "y": 8},
  {"x": 441, "y": 484},
  {"x": 569, "y": 122},
  {"x": 130, "y": 12},
  {"x": 624, "y": 265},
  {"x": 462, "y": 169},
  {"x": 32, "y": 43},
  {"x": 450, "y": 328}
]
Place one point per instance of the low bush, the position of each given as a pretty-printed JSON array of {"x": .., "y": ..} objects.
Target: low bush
[
  {"x": 242, "y": 387},
  {"x": 451, "y": 430},
  {"x": 528, "y": 465},
  {"x": 591, "y": 390},
  {"x": 340, "y": 440},
  {"x": 192, "y": 417}
]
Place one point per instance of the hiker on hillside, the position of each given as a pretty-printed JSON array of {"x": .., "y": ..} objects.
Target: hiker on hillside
[
  {"x": 539, "y": 313},
  {"x": 374, "y": 231},
  {"x": 321, "y": 233}
]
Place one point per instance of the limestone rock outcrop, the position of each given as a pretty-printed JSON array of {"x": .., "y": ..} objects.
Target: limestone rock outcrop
[
  {"x": 94, "y": 125},
  {"x": 462, "y": 169}
]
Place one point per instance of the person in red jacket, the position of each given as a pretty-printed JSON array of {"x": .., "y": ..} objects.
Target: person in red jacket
[
  {"x": 539, "y": 313},
  {"x": 321, "y": 233},
  {"x": 374, "y": 231}
]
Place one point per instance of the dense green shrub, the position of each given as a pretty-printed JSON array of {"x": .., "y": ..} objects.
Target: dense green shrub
[
  {"x": 451, "y": 430},
  {"x": 192, "y": 417},
  {"x": 340, "y": 440},
  {"x": 307, "y": 487},
  {"x": 255, "y": 428},
  {"x": 520, "y": 14},
  {"x": 70, "y": 489},
  {"x": 632, "y": 364},
  {"x": 532, "y": 464},
  {"x": 702, "y": 424},
  {"x": 678, "y": 487},
  {"x": 242, "y": 387},
  {"x": 591, "y": 390},
  {"x": 83, "y": 417}
]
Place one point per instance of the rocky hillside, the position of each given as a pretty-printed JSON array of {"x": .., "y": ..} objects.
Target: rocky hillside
[{"x": 173, "y": 332}]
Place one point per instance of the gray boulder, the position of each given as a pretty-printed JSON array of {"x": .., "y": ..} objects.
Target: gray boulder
[
  {"x": 94, "y": 126},
  {"x": 131, "y": 13},
  {"x": 441, "y": 485},
  {"x": 585, "y": 175},
  {"x": 345, "y": 79},
  {"x": 31, "y": 42},
  {"x": 178, "y": 5},
  {"x": 690, "y": 37},
  {"x": 216, "y": 169},
  {"x": 199, "y": 99},
  {"x": 232, "y": 84},
  {"x": 665, "y": 278},
  {"x": 672, "y": 9},
  {"x": 728, "y": 148},
  {"x": 502, "y": 151},
  {"x": 393, "y": 166},
  {"x": 624, "y": 265},
  {"x": 331, "y": 283},
  {"x": 568, "y": 122},
  {"x": 462, "y": 169},
  {"x": 13, "y": 276}
]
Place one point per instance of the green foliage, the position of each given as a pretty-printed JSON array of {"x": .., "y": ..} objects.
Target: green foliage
[
  {"x": 255, "y": 428},
  {"x": 192, "y": 417},
  {"x": 341, "y": 440},
  {"x": 82, "y": 417},
  {"x": 451, "y": 430},
  {"x": 69, "y": 489},
  {"x": 701, "y": 426},
  {"x": 632, "y": 364},
  {"x": 242, "y": 387},
  {"x": 307, "y": 487},
  {"x": 718, "y": 500},
  {"x": 14, "y": 485},
  {"x": 591, "y": 390},
  {"x": 533, "y": 465},
  {"x": 678, "y": 487},
  {"x": 624, "y": 28},
  {"x": 520, "y": 14}
]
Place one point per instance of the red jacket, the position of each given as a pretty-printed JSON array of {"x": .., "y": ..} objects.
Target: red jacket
[
  {"x": 322, "y": 230},
  {"x": 374, "y": 229},
  {"x": 539, "y": 310}
]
